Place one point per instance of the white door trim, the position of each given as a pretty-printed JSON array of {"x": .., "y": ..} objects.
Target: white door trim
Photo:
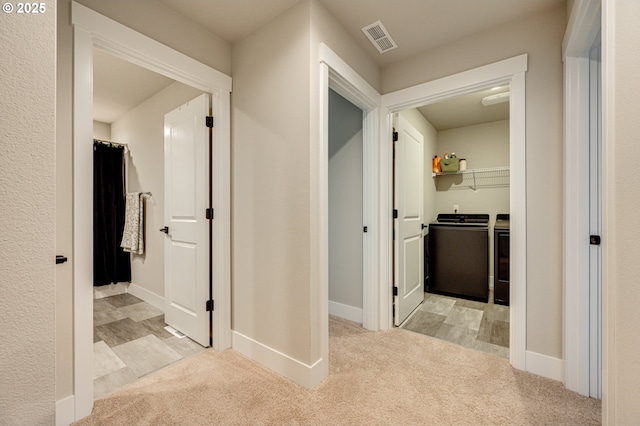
[
  {"x": 582, "y": 30},
  {"x": 336, "y": 74},
  {"x": 92, "y": 30},
  {"x": 510, "y": 71}
]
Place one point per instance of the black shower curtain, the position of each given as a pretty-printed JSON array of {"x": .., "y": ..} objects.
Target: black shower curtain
[{"x": 110, "y": 263}]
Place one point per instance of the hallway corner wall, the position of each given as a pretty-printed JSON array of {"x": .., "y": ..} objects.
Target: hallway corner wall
[{"x": 270, "y": 187}]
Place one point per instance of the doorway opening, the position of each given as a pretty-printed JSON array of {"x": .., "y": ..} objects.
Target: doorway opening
[
  {"x": 509, "y": 72},
  {"x": 92, "y": 30},
  {"x": 129, "y": 316},
  {"x": 452, "y": 278},
  {"x": 346, "y": 227}
]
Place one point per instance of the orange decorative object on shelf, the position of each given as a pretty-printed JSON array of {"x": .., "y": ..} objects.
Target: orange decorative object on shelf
[{"x": 435, "y": 164}]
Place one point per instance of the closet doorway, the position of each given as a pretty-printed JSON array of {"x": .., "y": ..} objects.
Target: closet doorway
[{"x": 346, "y": 227}]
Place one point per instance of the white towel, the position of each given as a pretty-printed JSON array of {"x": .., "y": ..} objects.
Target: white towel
[{"x": 133, "y": 234}]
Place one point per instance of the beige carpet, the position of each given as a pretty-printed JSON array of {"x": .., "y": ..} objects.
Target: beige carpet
[{"x": 395, "y": 377}]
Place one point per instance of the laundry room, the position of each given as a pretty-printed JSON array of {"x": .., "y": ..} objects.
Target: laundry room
[{"x": 465, "y": 210}]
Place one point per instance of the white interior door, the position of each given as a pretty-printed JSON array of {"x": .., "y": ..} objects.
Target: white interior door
[
  {"x": 409, "y": 174},
  {"x": 186, "y": 191}
]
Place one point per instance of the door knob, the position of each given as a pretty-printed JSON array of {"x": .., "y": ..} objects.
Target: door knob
[{"x": 165, "y": 230}]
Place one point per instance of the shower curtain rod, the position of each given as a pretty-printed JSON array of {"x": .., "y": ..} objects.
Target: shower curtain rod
[{"x": 110, "y": 143}]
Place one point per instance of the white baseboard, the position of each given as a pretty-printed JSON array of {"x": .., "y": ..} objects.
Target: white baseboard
[
  {"x": 545, "y": 366},
  {"x": 65, "y": 411},
  {"x": 110, "y": 290},
  {"x": 345, "y": 311},
  {"x": 308, "y": 376},
  {"x": 148, "y": 296}
]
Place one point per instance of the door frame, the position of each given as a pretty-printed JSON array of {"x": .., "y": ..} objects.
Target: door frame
[
  {"x": 93, "y": 30},
  {"x": 509, "y": 71},
  {"x": 336, "y": 74},
  {"x": 582, "y": 30}
]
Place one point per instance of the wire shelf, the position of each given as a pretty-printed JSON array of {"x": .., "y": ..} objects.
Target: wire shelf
[{"x": 491, "y": 177}]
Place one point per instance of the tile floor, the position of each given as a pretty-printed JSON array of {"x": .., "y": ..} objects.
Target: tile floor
[
  {"x": 476, "y": 325},
  {"x": 129, "y": 341}
]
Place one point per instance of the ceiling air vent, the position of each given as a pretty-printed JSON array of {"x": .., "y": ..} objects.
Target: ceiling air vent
[{"x": 379, "y": 36}]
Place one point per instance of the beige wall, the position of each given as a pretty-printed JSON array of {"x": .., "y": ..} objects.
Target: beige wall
[
  {"x": 158, "y": 22},
  {"x": 623, "y": 288},
  {"x": 27, "y": 173},
  {"x": 345, "y": 202},
  {"x": 101, "y": 130},
  {"x": 270, "y": 189},
  {"x": 275, "y": 122},
  {"x": 142, "y": 129},
  {"x": 541, "y": 38}
]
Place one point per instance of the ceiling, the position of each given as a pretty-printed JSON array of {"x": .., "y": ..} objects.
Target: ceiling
[
  {"x": 420, "y": 25},
  {"x": 119, "y": 86},
  {"x": 466, "y": 110},
  {"x": 231, "y": 20},
  {"x": 415, "y": 25}
]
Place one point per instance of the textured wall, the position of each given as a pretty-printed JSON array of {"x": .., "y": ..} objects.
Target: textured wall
[
  {"x": 27, "y": 229},
  {"x": 541, "y": 38}
]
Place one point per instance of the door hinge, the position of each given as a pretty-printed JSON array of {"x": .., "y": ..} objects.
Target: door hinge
[
  {"x": 395, "y": 136},
  {"x": 365, "y": 229},
  {"x": 594, "y": 240},
  {"x": 395, "y": 290},
  {"x": 209, "y": 305},
  {"x": 210, "y": 213},
  {"x": 209, "y": 121},
  {"x": 395, "y": 213}
]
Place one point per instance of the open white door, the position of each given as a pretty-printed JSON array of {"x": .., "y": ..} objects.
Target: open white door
[
  {"x": 409, "y": 243},
  {"x": 186, "y": 192}
]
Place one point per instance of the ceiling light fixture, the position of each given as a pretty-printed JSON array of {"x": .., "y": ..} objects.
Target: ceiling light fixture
[{"x": 496, "y": 99}]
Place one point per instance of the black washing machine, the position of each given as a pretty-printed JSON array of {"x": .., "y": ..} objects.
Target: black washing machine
[{"x": 459, "y": 256}]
